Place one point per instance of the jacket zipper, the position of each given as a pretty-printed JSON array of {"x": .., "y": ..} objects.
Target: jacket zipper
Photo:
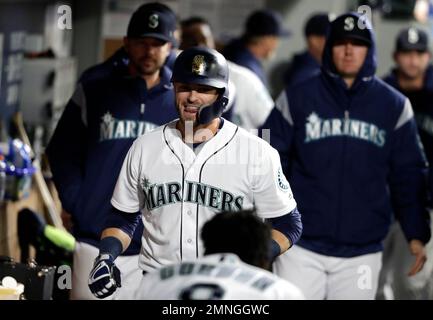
[
  {"x": 143, "y": 95},
  {"x": 341, "y": 186}
]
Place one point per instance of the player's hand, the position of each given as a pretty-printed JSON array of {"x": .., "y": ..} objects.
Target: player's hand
[
  {"x": 104, "y": 278},
  {"x": 417, "y": 249}
]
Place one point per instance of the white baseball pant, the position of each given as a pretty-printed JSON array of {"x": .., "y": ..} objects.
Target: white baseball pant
[
  {"x": 84, "y": 256},
  {"x": 324, "y": 277}
]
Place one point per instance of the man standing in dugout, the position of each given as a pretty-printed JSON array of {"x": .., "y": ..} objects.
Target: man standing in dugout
[
  {"x": 349, "y": 146},
  {"x": 183, "y": 173},
  {"x": 412, "y": 76},
  {"x": 113, "y": 104}
]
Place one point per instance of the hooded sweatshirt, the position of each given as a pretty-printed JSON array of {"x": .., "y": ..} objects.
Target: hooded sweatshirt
[{"x": 352, "y": 158}]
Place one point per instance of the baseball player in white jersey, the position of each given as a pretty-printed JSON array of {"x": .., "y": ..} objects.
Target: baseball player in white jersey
[
  {"x": 253, "y": 100},
  {"x": 232, "y": 268},
  {"x": 183, "y": 173}
]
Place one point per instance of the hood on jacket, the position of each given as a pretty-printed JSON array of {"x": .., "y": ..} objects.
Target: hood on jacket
[{"x": 359, "y": 28}]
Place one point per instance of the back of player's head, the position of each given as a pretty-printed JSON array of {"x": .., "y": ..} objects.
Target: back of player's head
[{"x": 241, "y": 233}]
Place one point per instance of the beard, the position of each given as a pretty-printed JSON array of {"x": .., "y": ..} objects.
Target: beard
[
  {"x": 411, "y": 75},
  {"x": 147, "y": 66}
]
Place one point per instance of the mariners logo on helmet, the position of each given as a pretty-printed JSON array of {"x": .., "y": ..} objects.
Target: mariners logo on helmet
[
  {"x": 153, "y": 21},
  {"x": 198, "y": 64}
]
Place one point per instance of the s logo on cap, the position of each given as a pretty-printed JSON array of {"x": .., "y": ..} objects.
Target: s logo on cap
[
  {"x": 153, "y": 21},
  {"x": 349, "y": 24},
  {"x": 412, "y": 35}
]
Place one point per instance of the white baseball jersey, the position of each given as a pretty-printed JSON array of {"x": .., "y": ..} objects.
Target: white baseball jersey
[
  {"x": 178, "y": 189},
  {"x": 253, "y": 103},
  {"x": 215, "y": 277}
]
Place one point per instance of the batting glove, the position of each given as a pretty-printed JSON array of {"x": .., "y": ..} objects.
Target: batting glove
[{"x": 104, "y": 278}]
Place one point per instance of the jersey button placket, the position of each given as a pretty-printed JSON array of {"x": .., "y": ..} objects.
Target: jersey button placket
[
  {"x": 190, "y": 222},
  {"x": 190, "y": 231}
]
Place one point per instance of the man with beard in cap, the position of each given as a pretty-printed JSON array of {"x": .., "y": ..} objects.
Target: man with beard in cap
[
  {"x": 412, "y": 76},
  {"x": 113, "y": 104}
]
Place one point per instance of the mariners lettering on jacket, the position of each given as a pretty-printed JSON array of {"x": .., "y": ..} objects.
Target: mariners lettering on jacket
[
  {"x": 317, "y": 128},
  {"x": 158, "y": 195},
  {"x": 112, "y": 128}
]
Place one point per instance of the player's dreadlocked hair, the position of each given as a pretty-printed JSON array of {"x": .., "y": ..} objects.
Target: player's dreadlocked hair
[{"x": 241, "y": 233}]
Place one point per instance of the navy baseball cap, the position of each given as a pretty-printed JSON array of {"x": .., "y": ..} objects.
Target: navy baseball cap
[
  {"x": 412, "y": 39},
  {"x": 350, "y": 26},
  {"x": 154, "y": 20},
  {"x": 265, "y": 23},
  {"x": 317, "y": 24}
]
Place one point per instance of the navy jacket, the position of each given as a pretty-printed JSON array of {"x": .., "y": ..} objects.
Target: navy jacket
[
  {"x": 118, "y": 60},
  {"x": 352, "y": 158},
  {"x": 237, "y": 52},
  {"x": 422, "y": 102},
  {"x": 107, "y": 112},
  {"x": 302, "y": 67}
]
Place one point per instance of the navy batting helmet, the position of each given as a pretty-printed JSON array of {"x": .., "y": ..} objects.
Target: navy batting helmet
[{"x": 199, "y": 65}]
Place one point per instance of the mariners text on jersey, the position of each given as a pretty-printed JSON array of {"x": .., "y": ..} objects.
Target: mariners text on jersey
[
  {"x": 158, "y": 195},
  {"x": 178, "y": 189},
  {"x": 317, "y": 128}
]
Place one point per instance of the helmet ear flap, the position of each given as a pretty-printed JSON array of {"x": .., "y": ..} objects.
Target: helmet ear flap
[
  {"x": 224, "y": 101},
  {"x": 213, "y": 111},
  {"x": 223, "y": 98},
  {"x": 206, "y": 67}
]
